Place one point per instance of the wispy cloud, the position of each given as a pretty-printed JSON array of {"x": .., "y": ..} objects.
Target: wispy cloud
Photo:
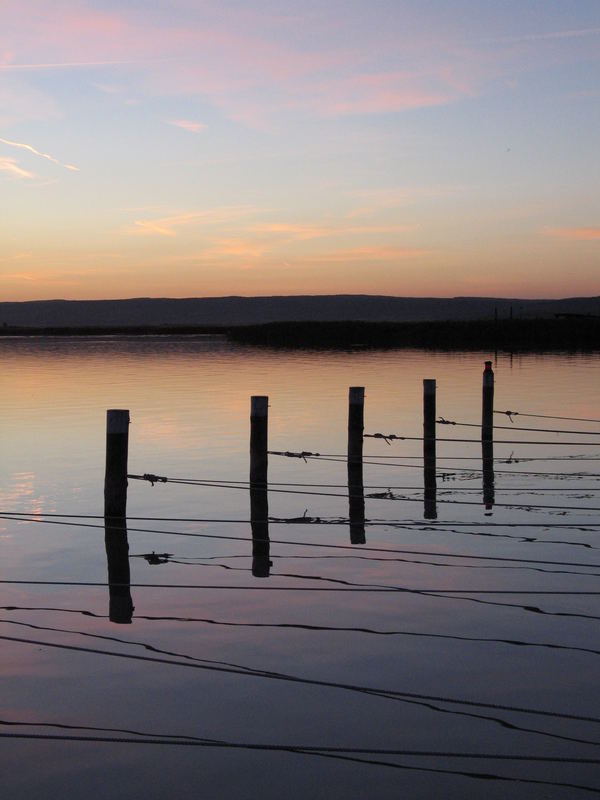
[
  {"x": 30, "y": 149},
  {"x": 575, "y": 234},
  {"x": 236, "y": 248},
  {"x": 18, "y": 276},
  {"x": 576, "y": 33},
  {"x": 380, "y": 93},
  {"x": 167, "y": 226},
  {"x": 12, "y": 167},
  {"x": 9, "y": 67},
  {"x": 299, "y": 232},
  {"x": 367, "y": 254},
  {"x": 189, "y": 125}
]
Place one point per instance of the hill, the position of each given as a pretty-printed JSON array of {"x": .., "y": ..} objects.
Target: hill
[{"x": 234, "y": 311}]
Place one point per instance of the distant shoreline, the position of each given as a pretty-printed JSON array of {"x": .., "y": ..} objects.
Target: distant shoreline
[{"x": 570, "y": 333}]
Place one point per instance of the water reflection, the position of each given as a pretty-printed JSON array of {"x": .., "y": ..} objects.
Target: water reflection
[
  {"x": 117, "y": 555},
  {"x": 259, "y": 514},
  {"x": 429, "y": 450},
  {"x": 259, "y": 499},
  {"x": 487, "y": 450},
  {"x": 514, "y": 642},
  {"x": 356, "y": 495}
]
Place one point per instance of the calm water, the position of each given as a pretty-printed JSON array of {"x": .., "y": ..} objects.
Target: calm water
[{"x": 324, "y": 653}]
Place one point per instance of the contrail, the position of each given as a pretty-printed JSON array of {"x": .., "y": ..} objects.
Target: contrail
[{"x": 31, "y": 149}]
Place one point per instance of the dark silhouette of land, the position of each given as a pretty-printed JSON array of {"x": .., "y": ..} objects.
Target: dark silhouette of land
[
  {"x": 232, "y": 311},
  {"x": 336, "y": 321}
]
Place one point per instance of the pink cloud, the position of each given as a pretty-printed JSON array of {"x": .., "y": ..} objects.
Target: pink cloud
[
  {"x": 250, "y": 71},
  {"x": 378, "y": 93},
  {"x": 189, "y": 125},
  {"x": 12, "y": 167},
  {"x": 255, "y": 63}
]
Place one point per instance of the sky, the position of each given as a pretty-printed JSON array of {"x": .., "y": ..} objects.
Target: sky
[{"x": 181, "y": 148}]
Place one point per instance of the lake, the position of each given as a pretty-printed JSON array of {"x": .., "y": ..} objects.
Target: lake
[{"x": 445, "y": 654}]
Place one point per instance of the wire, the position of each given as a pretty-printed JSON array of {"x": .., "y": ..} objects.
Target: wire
[
  {"x": 309, "y": 628},
  {"x": 562, "y": 475},
  {"x": 283, "y": 676},
  {"x": 387, "y": 693},
  {"x": 343, "y": 457},
  {"x": 246, "y": 484},
  {"x": 192, "y": 482},
  {"x": 253, "y": 587},
  {"x": 325, "y": 545},
  {"x": 545, "y": 416},
  {"x": 319, "y": 754},
  {"x": 307, "y": 749},
  {"x": 474, "y": 441},
  {"x": 442, "y": 421},
  {"x": 419, "y": 525}
]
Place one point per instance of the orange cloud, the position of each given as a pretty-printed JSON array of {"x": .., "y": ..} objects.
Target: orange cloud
[
  {"x": 366, "y": 254},
  {"x": 575, "y": 234},
  {"x": 18, "y": 276},
  {"x": 301, "y": 232},
  {"x": 166, "y": 226}
]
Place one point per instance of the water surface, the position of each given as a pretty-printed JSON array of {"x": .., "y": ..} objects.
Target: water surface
[{"x": 373, "y": 647}]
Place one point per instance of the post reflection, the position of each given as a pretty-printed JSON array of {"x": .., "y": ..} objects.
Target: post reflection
[
  {"x": 356, "y": 492},
  {"x": 120, "y": 608},
  {"x": 259, "y": 499},
  {"x": 487, "y": 436},
  {"x": 429, "y": 450},
  {"x": 356, "y": 502},
  {"x": 487, "y": 450},
  {"x": 259, "y": 523}
]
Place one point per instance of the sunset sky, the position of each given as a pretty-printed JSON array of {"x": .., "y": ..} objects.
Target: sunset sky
[{"x": 178, "y": 148}]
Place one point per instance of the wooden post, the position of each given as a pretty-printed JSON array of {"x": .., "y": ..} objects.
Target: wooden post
[
  {"x": 259, "y": 500},
  {"x": 487, "y": 435},
  {"x": 487, "y": 407},
  {"x": 356, "y": 492},
  {"x": 356, "y": 422},
  {"x": 120, "y": 604},
  {"x": 259, "y": 420},
  {"x": 115, "y": 478},
  {"x": 429, "y": 465}
]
